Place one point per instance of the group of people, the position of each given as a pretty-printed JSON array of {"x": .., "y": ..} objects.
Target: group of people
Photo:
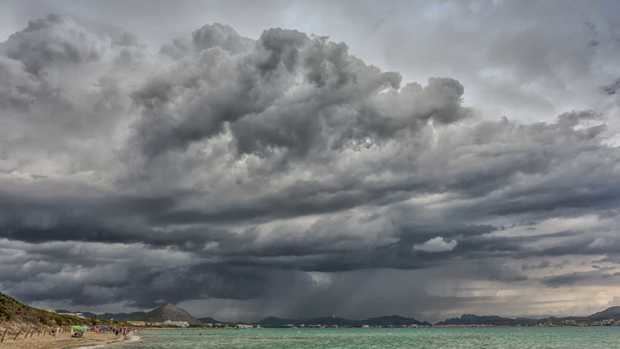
[
  {"x": 117, "y": 331},
  {"x": 122, "y": 331}
]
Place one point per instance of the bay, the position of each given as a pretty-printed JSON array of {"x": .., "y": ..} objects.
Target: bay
[{"x": 427, "y": 338}]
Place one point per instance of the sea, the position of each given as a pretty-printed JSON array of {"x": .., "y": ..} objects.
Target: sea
[{"x": 362, "y": 338}]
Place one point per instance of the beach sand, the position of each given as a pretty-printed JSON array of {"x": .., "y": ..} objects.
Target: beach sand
[{"x": 62, "y": 341}]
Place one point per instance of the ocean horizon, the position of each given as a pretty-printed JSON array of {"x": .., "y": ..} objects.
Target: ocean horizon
[{"x": 395, "y": 338}]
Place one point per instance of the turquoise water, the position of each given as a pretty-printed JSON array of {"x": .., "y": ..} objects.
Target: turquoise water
[{"x": 429, "y": 338}]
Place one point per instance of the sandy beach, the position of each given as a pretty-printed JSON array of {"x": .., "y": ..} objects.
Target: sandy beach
[{"x": 62, "y": 341}]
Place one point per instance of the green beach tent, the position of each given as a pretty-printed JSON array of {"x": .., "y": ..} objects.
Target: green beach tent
[{"x": 78, "y": 330}]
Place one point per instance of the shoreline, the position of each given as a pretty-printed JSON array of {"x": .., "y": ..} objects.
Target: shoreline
[
  {"x": 130, "y": 339},
  {"x": 90, "y": 341}
]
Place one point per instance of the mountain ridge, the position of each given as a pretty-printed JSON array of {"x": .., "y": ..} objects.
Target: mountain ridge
[
  {"x": 11, "y": 310},
  {"x": 162, "y": 313},
  {"x": 609, "y": 313},
  {"x": 170, "y": 312},
  {"x": 388, "y": 320}
]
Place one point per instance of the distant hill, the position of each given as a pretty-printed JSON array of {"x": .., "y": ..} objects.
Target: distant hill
[
  {"x": 382, "y": 321},
  {"x": 160, "y": 314},
  {"x": 329, "y": 320},
  {"x": 170, "y": 312},
  {"x": 607, "y": 314},
  {"x": 13, "y": 311},
  {"x": 394, "y": 320},
  {"x": 471, "y": 319},
  {"x": 208, "y": 320},
  {"x": 273, "y": 321}
]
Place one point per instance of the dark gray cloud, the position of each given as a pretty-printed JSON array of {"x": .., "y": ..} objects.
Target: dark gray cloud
[
  {"x": 283, "y": 174},
  {"x": 51, "y": 41},
  {"x": 612, "y": 88},
  {"x": 594, "y": 277}
]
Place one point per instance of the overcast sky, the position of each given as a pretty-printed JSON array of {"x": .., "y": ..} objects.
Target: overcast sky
[{"x": 299, "y": 159}]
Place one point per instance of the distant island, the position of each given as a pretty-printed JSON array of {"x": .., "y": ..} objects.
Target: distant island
[{"x": 15, "y": 313}]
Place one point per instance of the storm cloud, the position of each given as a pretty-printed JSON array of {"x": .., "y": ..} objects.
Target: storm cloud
[{"x": 283, "y": 174}]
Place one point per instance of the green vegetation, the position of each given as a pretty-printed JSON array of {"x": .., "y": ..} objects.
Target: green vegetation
[{"x": 15, "y": 311}]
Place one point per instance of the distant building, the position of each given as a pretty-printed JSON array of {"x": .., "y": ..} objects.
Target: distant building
[
  {"x": 137, "y": 323},
  {"x": 170, "y": 323},
  {"x": 80, "y": 315}
]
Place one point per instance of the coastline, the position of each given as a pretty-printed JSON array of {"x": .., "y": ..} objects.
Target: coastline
[{"x": 90, "y": 341}]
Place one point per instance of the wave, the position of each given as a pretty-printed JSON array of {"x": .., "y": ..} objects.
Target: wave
[{"x": 130, "y": 339}]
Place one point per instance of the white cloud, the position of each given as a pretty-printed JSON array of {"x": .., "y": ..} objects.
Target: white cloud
[{"x": 436, "y": 244}]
